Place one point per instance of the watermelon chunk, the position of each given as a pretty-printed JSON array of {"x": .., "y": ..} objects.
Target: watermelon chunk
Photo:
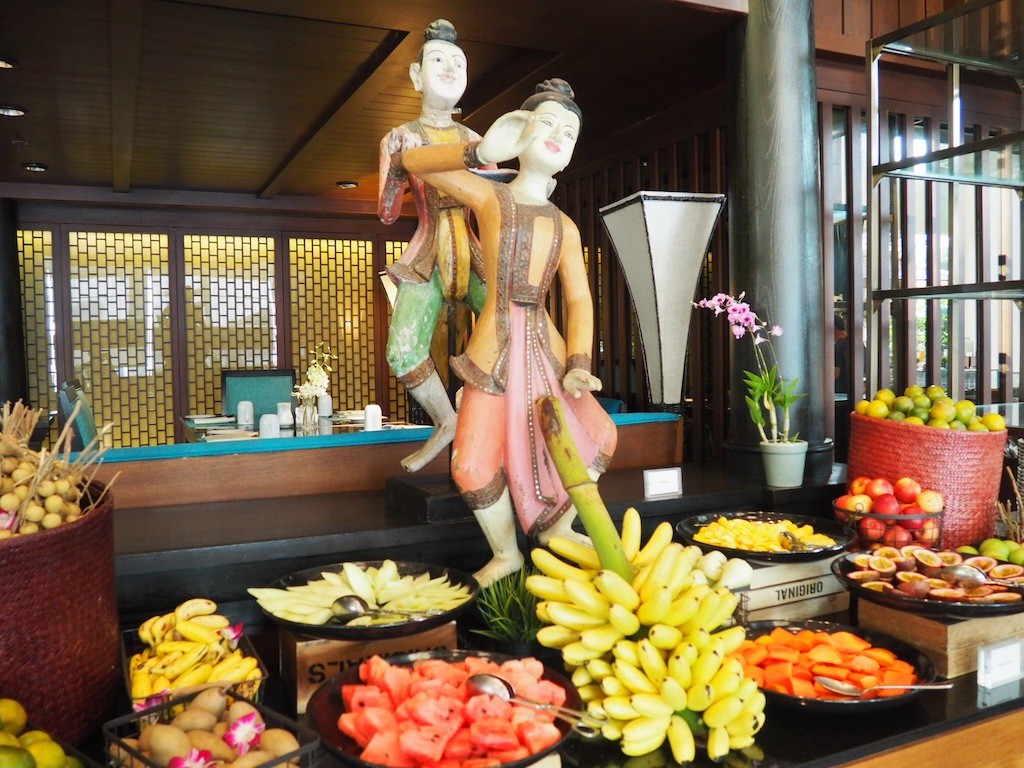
[
  {"x": 493, "y": 733},
  {"x": 424, "y": 744},
  {"x": 486, "y": 706},
  {"x": 384, "y": 749},
  {"x": 538, "y": 735}
]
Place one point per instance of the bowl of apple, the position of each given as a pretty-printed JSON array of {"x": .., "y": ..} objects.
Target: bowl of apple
[{"x": 883, "y": 513}]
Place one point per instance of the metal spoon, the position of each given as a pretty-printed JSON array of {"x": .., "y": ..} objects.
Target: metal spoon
[
  {"x": 350, "y": 607},
  {"x": 965, "y": 575},
  {"x": 849, "y": 689},
  {"x": 583, "y": 723},
  {"x": 792, "y": 543}
]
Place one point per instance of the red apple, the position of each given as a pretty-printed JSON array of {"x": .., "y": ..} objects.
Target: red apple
[
  {"x": 929, "y": 533},
  {"x": 871, "y": 528},
  {"x": 930, "y": 501},
  {"x": 858, "y": 484},
  {"x": 886, "y": 504},
  {"x": 906, "y": 489},
  {"x": 915, "y": 517},
  {"x": 878, "y": 487},
  {"x": 896, "y": 536}
]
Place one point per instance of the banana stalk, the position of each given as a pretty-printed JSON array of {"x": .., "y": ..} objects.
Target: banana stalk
[{"x": 582, "y": 490}]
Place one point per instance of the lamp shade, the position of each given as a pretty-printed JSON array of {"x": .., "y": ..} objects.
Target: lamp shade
[{"x": 661, "y": 239}]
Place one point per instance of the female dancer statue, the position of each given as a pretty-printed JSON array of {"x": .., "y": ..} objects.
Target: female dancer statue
[{"x": 515, "y": 354}]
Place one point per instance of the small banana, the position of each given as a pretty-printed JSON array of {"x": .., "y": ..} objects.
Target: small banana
[
  {"x": 727, "y": 607},
  {"x": 546, "y": 587},
  {"x": 146, "y": 631},
  {"x": 660, "y": 538},
  {"x": 239, "y": 670},
  {"x": 722, "y": 712},
  {"x": 652, "y": 611},
  {"x": 623, "y": 619},
  {"x": 745, "y": 724},
  {"x": 542, "y": 611},
  {"x": 577, "y": 654},
  {"x": 141, "y": 684},
  {"x": 599, "y": 668},
  {"x": 616, "y": 589},
  {"x": 679, "y": 669},
  {"x": 620, "y": 707},
  {"x": 705, "y": 667},
  {"x": 699, "y": 638},
  {"x": 632, "y": 530},
  {"x": 698, "y": 697},
  {"x": 727, "y": 679},
  {"x": 167, "y": 646},
  {"x": 589, "y": 693},
  {"x": 197, "y": 633},
  {"x": 186, "y": 661},
  {"x": 626, "y": 650},
  {"x": 651, "y": 705},
  {"x": 651, "y": 662},
  {"x": 644, "y": 735},
  {"x": 165, "y": 661},
  {"x": 756, "y": 703},
  {"x": 601, "y": 638},
  {"x": 581, "y": 554},
  {"x": 683, "y": 608},
  {"x": 572, "y": 617},
  {"x": 197, "y": 675},
  {"x": 741, "y": 742},
  {"x": 161, "y": 685},
  {"x": 612, "y": 730},
  {"x": 555, "y": 567},
  {"x": 584, "y": 595},
  {"x": 718, "y": 743},
  {"x": 612, "y": 686},
  {"x": 733, "y": 637},
  {"x": 748, "y": 687},
  {"x": 709, "y": 605},
  {"x": 633, "y": 677},
  {"x": 197, "y": 606},
  {"x": 673, "y": 693},
  {"x": 556, "y": 636},
  {"x": 664, "y": 637},
  {"x": 162, "y": 628},
  {"x": 661, "y": 571},
  {"x": 212, "y": 621},
  {"x": 680, "y": 740},
  {"x": 581, "y": 676}
]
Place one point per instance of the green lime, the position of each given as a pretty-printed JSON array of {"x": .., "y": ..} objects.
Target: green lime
[
  {"x": 921, "y": 401},
  {"x": 887, "y": 396},
  {"x": 1017, "y": 556},
  {"x": 934, "y": 392},
  {"x": 967, "y": 549},
  {"x": 923, "y": 414},
  {"x": 16, "y": 757},
  {"x": 1011, "y": 544},
  {"x": 915, "y": 420},
  {"x": 903, "y": 404},
  {"x": 994, "y": 548},
  {"x": 964, "y": 411},
  {"x": 944, "y": 411},
  {"x": 48, "y": 754},
  {"x": 939, "y": 423},
  {"x": 957, "y": 426},
  {"x": 913, "y": 391},
  {"x": 977, "y": 427},
  {"x": 897, "y": 416}
]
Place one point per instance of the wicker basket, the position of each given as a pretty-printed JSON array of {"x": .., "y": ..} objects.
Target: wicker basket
[
  {"x": 59, "y": 627},
  {"x": 965, "y": 467}
]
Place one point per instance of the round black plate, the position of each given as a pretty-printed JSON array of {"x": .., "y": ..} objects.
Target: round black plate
[
  {"x": 325, "y": 706},
  {"x": 924, "y": 605},
  {"x": 334, "y": 631},
  {"x": 922, "y": 665},
  {"x": 689, "y": 527}
]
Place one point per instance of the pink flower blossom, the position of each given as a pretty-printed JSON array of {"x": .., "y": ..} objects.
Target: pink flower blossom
[
  {"x": 244, "y": 733},
  {"x": 232, "y": 635},
  {"x": 776, "y": 330},
  {"x": 196, "y": 758}
]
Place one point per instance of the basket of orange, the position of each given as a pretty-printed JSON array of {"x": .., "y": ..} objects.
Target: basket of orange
[{"x": 954, "y": 451}]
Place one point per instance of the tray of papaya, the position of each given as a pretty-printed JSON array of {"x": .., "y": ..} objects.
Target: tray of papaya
[
  {"x": 771, "y": 537},
  {"x": 829, "y": 667},
  {"x": 421, "y": 709},
  {"x": 914, "y": 578}
]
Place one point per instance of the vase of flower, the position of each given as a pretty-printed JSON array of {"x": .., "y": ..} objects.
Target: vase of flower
[
  {"x": 784, "y": 463},
  {"x": 309, "y": 419}
]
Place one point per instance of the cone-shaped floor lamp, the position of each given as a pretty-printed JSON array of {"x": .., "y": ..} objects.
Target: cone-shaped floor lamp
[{"x": 661, "y": 239}]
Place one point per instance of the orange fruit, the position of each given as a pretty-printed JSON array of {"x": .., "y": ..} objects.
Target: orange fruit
[
  {"x": 942, "y": 411},
  {"x": 877, "y": 409},
  {"x": 934, "y": 392},
  {"x": 977, "y": 427},
  {"x": 939, "y": 423},
  {"x": 903, "y": 404},
  {"x": 964, "y": 411},
  {"x": 897, "y": 416},
  {"x": 886, "y": 396},
  {"x": 917, "y": 420},
  {"x": 994, "y": 422},
  {"x": 921, "y": 401},
  {"x": 913, "y": 391},
  {"x": 862, "y": 407}
]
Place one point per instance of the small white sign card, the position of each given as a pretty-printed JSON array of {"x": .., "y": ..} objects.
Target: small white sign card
[
  {"x": 1000, "y": 663},
  {"x": 659, "y": 483}
]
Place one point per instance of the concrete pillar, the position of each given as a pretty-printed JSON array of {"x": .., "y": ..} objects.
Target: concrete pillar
[
  {"x": 774, "y": 225},
  {"x": 13, "y": 374}
]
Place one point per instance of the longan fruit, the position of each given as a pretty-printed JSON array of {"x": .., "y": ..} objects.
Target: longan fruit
[
  {"x": 8, "y": 465},
  {"x": 46, "y": 488},
  {"x": 51, "y": 520},
  {"x": 9, "y": 502},
  {"x": 28, "y": 527},
  {"x": 54, "y": 504},
  {"x": 34, "y": 513}
]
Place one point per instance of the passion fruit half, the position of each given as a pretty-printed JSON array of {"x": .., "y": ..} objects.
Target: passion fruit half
[
  {"x": 879, "y": 586},
  {"x": 1005, "y": 597},
  {"x": 885, "y": 566},
  {"x": 910, "y": 576},
  {"x": 864, "y": 577},
  {"x": 926, "y": 558},
  {"x": 948, "y": 593},
  {"x": 890, "y": 552},
  {"x": 982, "y": 562},
  {"x": 862, "y": 560},
  {"x": 951, "y": 558},
  {"x": 918, "y": 589},
  {"x": 1006, "y": 571}
]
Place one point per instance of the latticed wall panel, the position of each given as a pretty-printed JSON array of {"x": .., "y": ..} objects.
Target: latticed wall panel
[
  {"x": 332, "y": 283},
  {"x": 230, "y": 311},
  {"x": 398, "y": 401},
  {"x": 36, "y": 255},
  {"x": 118, "y": 285}
]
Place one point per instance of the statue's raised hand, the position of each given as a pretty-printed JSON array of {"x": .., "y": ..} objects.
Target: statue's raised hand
[
  {"x": 507, "y": 137},
  {"x": 577, "y": 381}
]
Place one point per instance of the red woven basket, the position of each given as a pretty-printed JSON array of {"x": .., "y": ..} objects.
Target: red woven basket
[
  {"x": 59, "y": 627},
  {"x": 965, "y": 467}
]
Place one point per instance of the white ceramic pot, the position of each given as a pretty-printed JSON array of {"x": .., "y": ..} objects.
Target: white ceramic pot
[{"x": 784, "y": 463}]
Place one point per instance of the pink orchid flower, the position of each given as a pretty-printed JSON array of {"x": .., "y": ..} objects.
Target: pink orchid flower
[
  {"x": 232, "y": 635},
  {"x": 196, "y": 758},
  {"x": 244, "y": 733},
  {"x": 158, "y": 698}
]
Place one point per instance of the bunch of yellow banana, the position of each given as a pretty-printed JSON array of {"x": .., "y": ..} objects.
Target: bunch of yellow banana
[
  {"x": 187, "y": 648},
  {"x": 651, "y": 656}
]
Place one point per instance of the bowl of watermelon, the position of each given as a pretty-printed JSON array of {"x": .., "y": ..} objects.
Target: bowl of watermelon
[{"x": 414, "y": 710}]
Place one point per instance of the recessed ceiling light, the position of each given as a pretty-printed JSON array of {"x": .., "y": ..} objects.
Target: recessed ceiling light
[
  {"x": 346, "y": 184},
  {"x": 36, "y": 167},
  {"x": 6, "y": 62},
  {"x": 9, "y": 110}
]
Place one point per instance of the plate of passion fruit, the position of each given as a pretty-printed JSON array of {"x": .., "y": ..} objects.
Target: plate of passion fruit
[{"x": 944, "y": 583}]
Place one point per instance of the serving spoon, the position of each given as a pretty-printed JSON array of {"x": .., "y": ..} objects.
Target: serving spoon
[
  {"x": 793, "y": 544},
  {"x": 965, "y": 575},
  {"x": 350, "y": 607},
  {"x": 849, "y": 689},
  {"x": 583, "y": 723}
]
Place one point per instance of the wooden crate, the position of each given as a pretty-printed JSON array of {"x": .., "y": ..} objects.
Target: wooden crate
[
  {"x": 308, "y": 662},
  {"x": 792, "y": 591},
  {"x": 951, "y": 643}
]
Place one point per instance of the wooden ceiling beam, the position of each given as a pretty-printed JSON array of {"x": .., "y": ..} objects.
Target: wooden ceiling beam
[{"x": 126, "y": 17}]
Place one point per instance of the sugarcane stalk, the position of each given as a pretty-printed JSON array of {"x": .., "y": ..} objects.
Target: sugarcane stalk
[{"x": 582, "y": 489}]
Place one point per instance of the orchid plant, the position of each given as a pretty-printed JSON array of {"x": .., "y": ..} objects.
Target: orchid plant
[
  {"x": 316, "y": 382},
  {"x": 768, "y": 393}
]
